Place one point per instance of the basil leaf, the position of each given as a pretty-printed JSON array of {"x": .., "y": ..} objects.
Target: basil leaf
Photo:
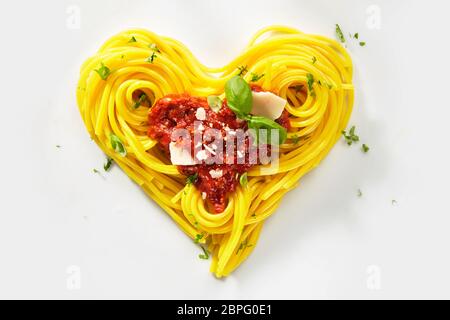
[
  {"x": 239, "y": 96},
  {"x": 117, "y": 145},
  {"x": 257, "y": 122},
  {"x": 215, "y": 103}
]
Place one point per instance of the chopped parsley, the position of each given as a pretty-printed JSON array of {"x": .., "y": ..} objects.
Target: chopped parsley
[
  {"x": 205, "y": 255},
  {"x": 394, "y": 202},
  {"x": 108, "y": 164},
  {"x": 192, "y": 179},
  {"x": 242, "y": 71},
  {"x": 95, "y": 170},
  {"x": 295, "y": 139},
  {"x": 198, "y": 237},
  {"x": 141, "y": 99},
  {"x": 243, "y": 245},
  {"x": 243, "y": 180},
  {"x": 340, "y": 34},
  {"x": 133, "y": 39},
  {"x": 256, "y": 77},
  {"x": 314, "y": 60},
  {"x": 117, "y": 145},
  {"x": 365, "y": 148},
  {"x": 310, "y": 79},
  {"x": 360, "y": 194},
  {"x": 362, "y": 44},
  {"x": 351, "y": 137},
  {"x": 103, "y": 71},
  {"x": 152, "y": 58},
  {"x": 58, "y": 146}
]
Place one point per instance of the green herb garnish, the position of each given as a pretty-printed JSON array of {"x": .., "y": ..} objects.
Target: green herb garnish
[
  {"x": 298, "y": 88},
  {"x": 351, "y": 137},
  {"x": 243, "y": 180},
  {"x": 141, "y": 99},
  {"x": 192, "y": 179},
  {"x": 108, "y": 164},
  {"x": 103, "y": 71},
  {"x": 243, "y": 245},
  {"x": 365, "y": 148},
  {"x": 295, "y": 139},
  {"x": 152, "y": 58},
  {"x": 205, "y": 255},
  {"x": 340, "y": 34},
  {"x": 314, "y": 60},
  {"x": 256, "y": 77},
  {"x": 360, "y": 194},
  {"x": 117, "y": 145},
  {"x": 133, "y": 39},
  {"x": 198, "y": 237},
  {"x": 242, "y": 71},
  {"x": 310, "y": 81},
  {"x": 239, "y": 96},
  {"x": 95, "y": 170},
  {"x": 215, "y": 103},
  {"x": 58, "y": 146},
  {"x": 362, "y": 44}
]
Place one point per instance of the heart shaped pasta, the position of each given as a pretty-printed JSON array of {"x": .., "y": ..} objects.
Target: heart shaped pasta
[{"x": 136, "y": 69}]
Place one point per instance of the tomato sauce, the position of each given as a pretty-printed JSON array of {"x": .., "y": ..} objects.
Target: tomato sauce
[{"x": 216, "y": 180}]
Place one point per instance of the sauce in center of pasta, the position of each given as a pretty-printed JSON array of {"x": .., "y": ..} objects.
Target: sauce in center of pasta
[{"x": 193, "y": 114}]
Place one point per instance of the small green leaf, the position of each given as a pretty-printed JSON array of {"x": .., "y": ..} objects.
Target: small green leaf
[
  {"x": 215, "y": 103},
  {"x": 356, "y": 36},
  {"x": 362, "y": 44},
  {"x": 205, "y": 255},
  {"x": 298, "y": 88},
  {"x": 256, "y": 77},
  {"x": 117, "y": 145},
  {"x": 314, "y": 60},
  {"x": 152, "y": 58},
  {"x": 243, "y": 180},
  {"x": 198, "y": 237},
  {"x": 365, "y": 148},
  {"x": 351, "y": 137},
  {"x": 192, "y": 179},
  {"x": 103, "y": 71},
  {"x": 340, "y": 34},
  {"x": 108, "y": 164},
  {"x": 133, "y": 39},
  {"x": 295, "y": 139},
  {"x": 310, "y": 81},
  {"x": 360, "y": 194},
  {"x": 95, "y": 170},
  {"x": 141, "y": 99},
  {"x": 242, "y": 71}
]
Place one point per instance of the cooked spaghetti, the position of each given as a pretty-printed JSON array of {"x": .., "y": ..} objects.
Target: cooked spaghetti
[{"x": 134, "y": 71}]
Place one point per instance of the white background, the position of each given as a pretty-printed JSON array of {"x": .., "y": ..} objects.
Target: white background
[{"x": 323, "y": 242}]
